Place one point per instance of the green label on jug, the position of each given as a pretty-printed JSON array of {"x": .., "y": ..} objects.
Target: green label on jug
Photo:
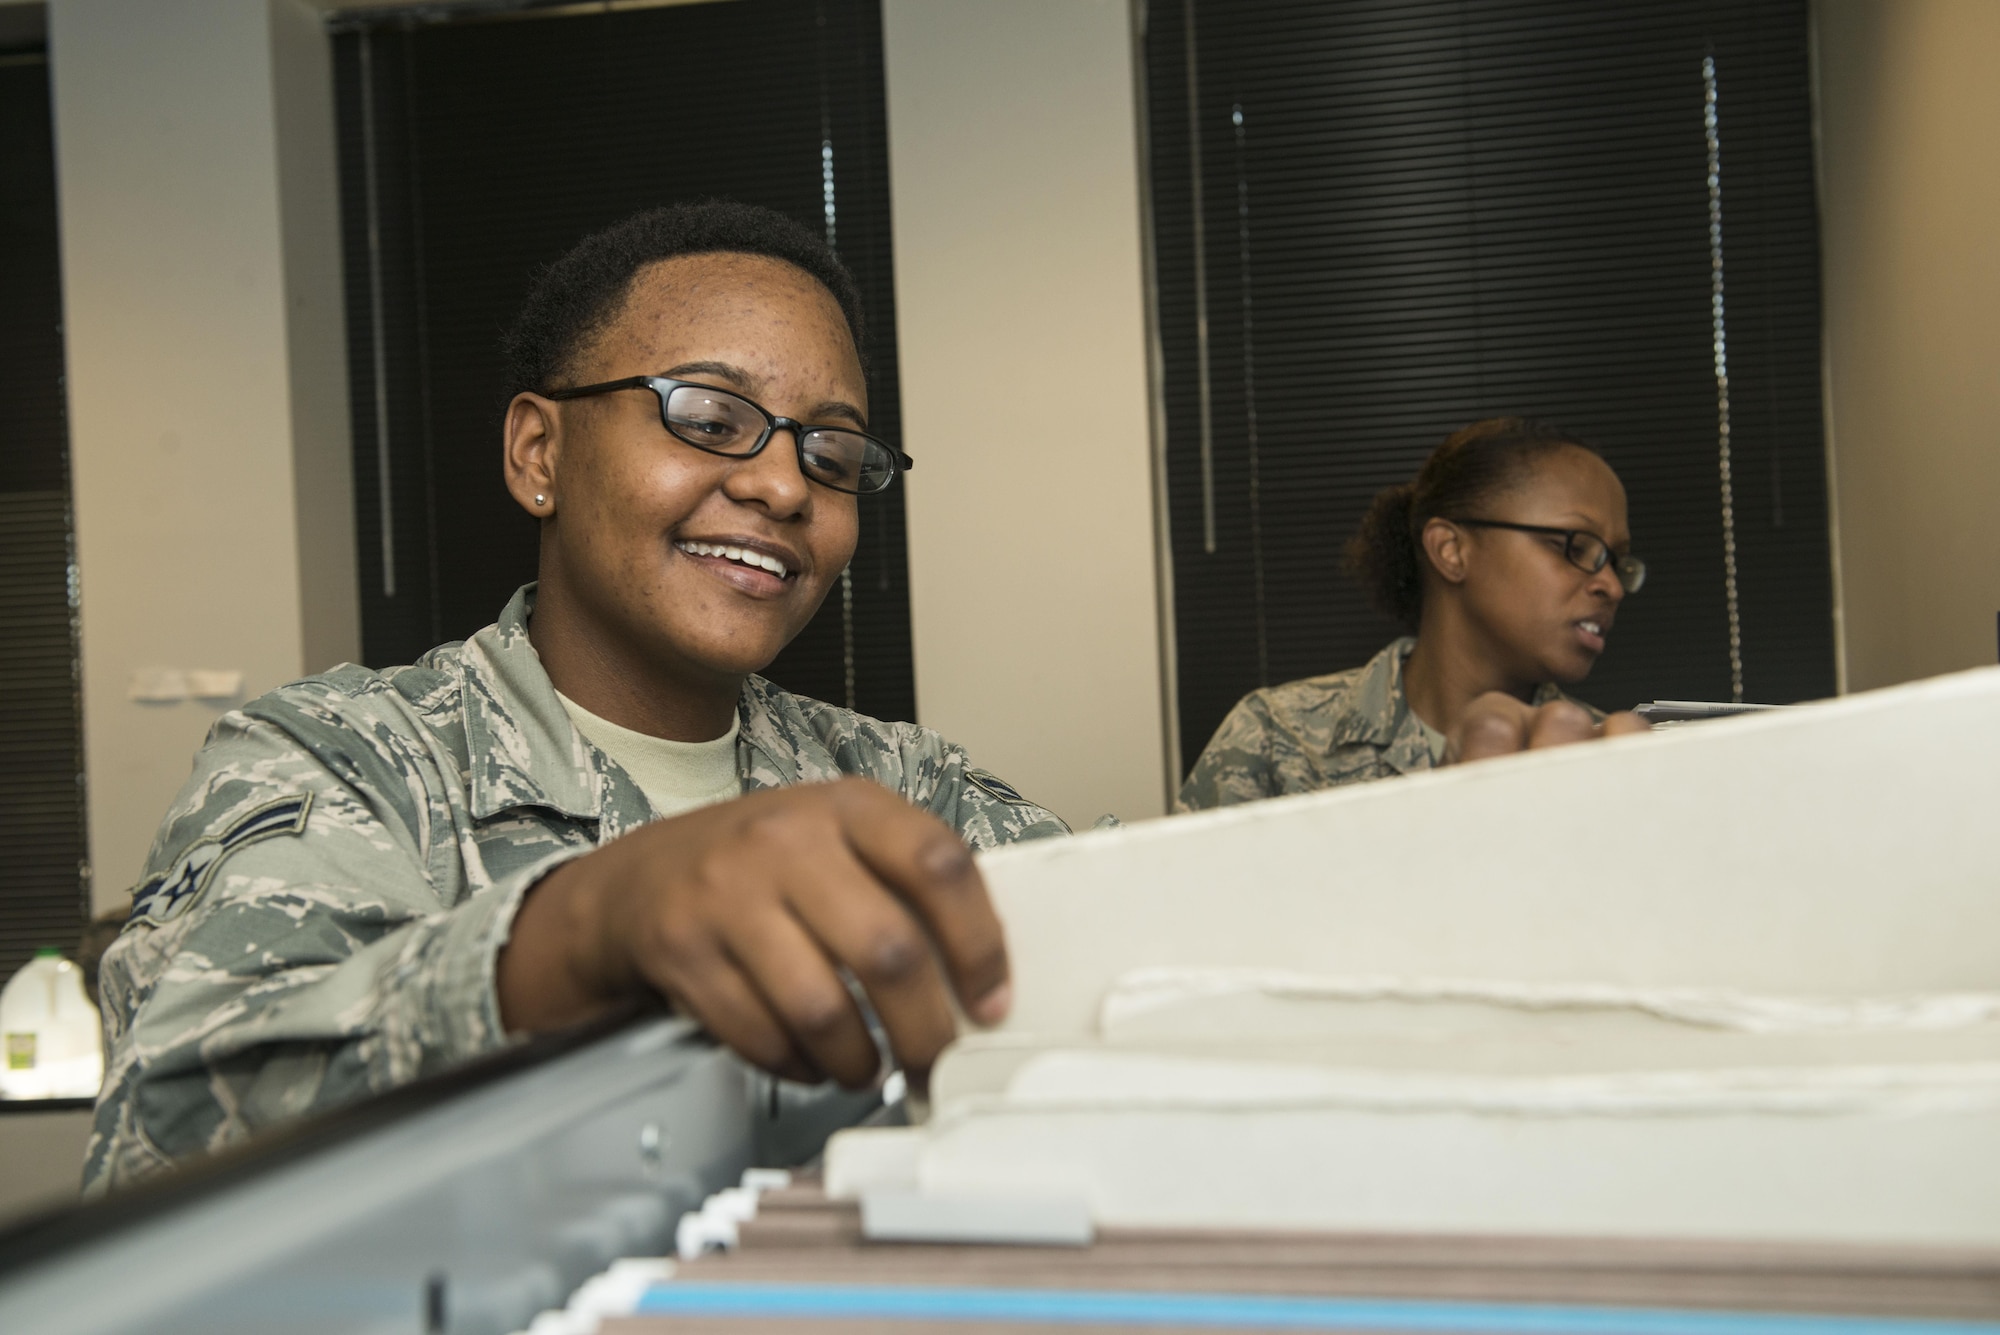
[{"x": 20, "y": 1052}]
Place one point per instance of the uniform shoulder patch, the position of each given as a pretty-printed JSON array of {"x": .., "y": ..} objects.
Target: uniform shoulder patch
[
  {"x": 162, "y": 898},
  {"x": 995, "y": 786}
]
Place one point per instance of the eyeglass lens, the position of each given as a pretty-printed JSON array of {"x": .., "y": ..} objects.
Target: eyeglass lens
[
  {"x": 1587, "y": 551},
  {"x": 722, "y": 423}
]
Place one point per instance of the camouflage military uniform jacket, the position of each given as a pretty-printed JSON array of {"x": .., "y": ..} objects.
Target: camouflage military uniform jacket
[
  {"x": 1345, "y": 727},
  {"x": 321, "y": 911}
]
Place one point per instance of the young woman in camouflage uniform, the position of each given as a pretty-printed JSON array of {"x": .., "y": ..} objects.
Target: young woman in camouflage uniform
[
  {"x": 1508, "y": 557},
  {"x": 374, "y": 874}
]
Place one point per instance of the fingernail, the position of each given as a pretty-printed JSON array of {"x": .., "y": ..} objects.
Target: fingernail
[{"x": 993, "y": 1007}]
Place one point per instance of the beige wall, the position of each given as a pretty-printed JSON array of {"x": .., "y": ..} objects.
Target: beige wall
[
  {"x": 1022, "y": 335},
  {"x": 206, "y": 371},
  {"x": 1909, "y": 112}
]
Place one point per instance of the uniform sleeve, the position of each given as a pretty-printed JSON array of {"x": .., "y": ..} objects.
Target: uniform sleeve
[
  {"x": 1237, "y": 765},
  {"x": 306, "y": 933},
  {"x": 984, "y": 808}
]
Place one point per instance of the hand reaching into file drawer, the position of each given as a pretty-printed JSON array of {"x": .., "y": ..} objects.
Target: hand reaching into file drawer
[{"x": 745, "y": 913}]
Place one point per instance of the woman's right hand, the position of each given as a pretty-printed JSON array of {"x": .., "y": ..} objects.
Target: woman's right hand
[
  {"x": 1496, "y": 724},
  {"x": 741, "y": 915}
]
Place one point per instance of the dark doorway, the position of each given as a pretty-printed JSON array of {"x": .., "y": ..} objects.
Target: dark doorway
[{"x": 474, "y": 152}]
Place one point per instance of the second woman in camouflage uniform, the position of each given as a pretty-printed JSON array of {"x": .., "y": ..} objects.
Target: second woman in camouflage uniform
[{"x": 1507, "y": 556}]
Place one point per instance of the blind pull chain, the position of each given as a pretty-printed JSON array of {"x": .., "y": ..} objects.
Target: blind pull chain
[
  {"x": 1250, "y": 397},
  {"x": 385, "y": 498},
  {"x": 1710, "y": 126},
  {"x": 1200, "y": 288}
]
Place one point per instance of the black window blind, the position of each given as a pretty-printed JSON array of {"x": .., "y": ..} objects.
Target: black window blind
[
  {"x": 1400, "y": 216},
  {"x": 472, "y": 153},
  {"x": 44, "y": 882}
]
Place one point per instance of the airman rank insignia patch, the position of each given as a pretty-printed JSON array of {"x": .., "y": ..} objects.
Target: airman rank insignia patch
[
  {"x": 995, "y": 786},
  {"x": 166, "y": 896}
]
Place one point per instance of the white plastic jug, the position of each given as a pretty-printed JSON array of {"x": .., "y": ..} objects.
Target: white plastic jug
[{"x": 51, "y": 1046}]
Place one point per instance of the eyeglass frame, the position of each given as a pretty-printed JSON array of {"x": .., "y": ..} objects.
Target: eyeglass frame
[
  {"x": 1569, "y": 537},
  {"x": 662, "y": 386}
]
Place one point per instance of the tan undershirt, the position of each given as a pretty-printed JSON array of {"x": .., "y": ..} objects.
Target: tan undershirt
[{"x": 674, "y": 776}]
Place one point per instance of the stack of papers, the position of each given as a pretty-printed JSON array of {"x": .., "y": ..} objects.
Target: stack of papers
[{"x": 1495, "y": 1001}]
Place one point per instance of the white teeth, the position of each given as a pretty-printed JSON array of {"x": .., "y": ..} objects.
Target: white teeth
[
  {"x": 1591, "y": 626},
  {"x": 740, "y": 555}
]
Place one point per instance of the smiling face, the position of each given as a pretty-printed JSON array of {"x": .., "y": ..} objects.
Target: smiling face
[
  {"x": 1540, "y": 617},
  {"x": 662, "y": 566}
]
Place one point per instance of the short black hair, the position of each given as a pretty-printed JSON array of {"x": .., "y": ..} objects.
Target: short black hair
[
  {"x": 572, "y": 300},
  {"x": 1474, "y": 464}
]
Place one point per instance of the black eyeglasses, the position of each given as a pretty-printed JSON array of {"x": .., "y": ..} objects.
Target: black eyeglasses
[
  {"x": 728, "y": 424},
  {"x": 1581, "y": 548}
]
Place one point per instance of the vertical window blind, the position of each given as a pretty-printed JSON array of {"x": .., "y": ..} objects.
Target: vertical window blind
[
  {"x": 1377, "y": 221},
  {"x": 473, "y": 152},
  {"x": 44, "y": 880}
]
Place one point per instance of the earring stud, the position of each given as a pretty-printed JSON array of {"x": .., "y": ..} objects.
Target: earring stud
[{"x": 541, "y": 499}]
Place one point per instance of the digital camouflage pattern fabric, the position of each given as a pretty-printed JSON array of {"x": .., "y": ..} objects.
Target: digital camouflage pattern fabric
[
  {"x": 322, "y": 908},
  {"x": 1345, "y": 727}
]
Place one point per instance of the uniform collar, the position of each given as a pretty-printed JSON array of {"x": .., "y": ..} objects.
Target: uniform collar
[
  {"x": 1378, "y": 711},
  {"x": 776, "y": 747},
  {"x": 523, "y": 749},
  {"x": 1380, "y": 715}
]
